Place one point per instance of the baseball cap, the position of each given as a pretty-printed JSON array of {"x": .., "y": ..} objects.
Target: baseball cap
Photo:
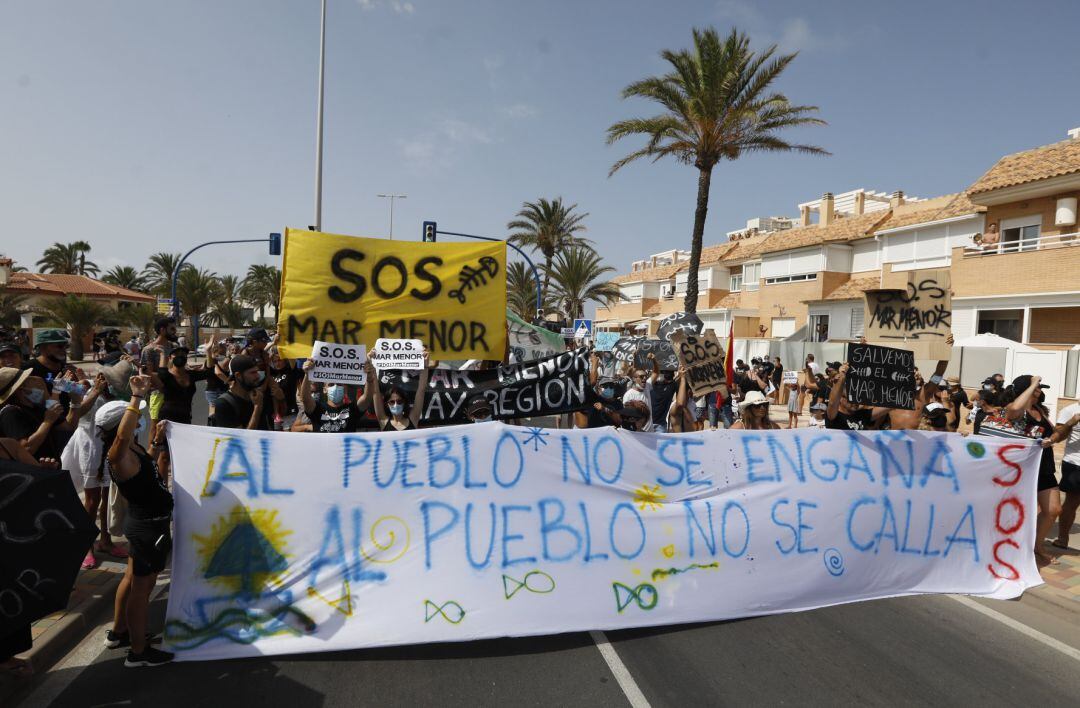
[
  {"x": 258, "y": 334},
  {"x": 9, "y": 346},
  {"x": 241, "y": 363},
  {"x": 1023, "y": 382},
  {"x": 51, "y": 336},
  {"x": 478, "y": 406}
]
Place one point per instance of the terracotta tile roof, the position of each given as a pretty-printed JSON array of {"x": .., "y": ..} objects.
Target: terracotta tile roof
[
  {"x": 846, "y": 228},
  {"x": 1061, "y": 158},
  {"x": 929, "y": 210},
  {"x": 750, "y": 247},
  {"x": 59, "y": 285},
  {"x": 853, "y": 289},
  {"x": 648, "y": 275}
]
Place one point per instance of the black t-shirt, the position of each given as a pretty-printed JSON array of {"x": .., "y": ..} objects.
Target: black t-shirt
[
  {"x": 778, "y": 376},
  {"x": 822, "y": 394},
  {"x": 177, "y": 405},
  {"x": 325, "y": 419},
  {"x": 44, "y": 373},
  {"x": 213, "y": 381},
  {"x": 19, "y": 423},
  {"x": 1047, "y": 463},
  {"x": 861, "y": 419},
  {"x": 231, "y": 411},
  {"x": 660, "y": 395},
  {"x": 287, "y": 379},
  {"x": 601, "y": 419},
  {"x": 145, "y": 493}
]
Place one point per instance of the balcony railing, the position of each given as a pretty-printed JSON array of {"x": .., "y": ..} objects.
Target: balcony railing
[{"x": 1042, "y": 242}]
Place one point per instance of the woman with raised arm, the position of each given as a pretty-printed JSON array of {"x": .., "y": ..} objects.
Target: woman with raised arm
[
  {"x": 147, "y": 525},
  {"x": 394, "y": 412}
]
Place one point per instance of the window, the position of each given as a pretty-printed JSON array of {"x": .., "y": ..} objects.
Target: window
[
  {"x": 790, "y": 278},
  {"x": 750, "y": 275},
  {"x": 858, "y": 327},
  {"x": 1020, "y": 234},
  {"x": 1004, "y": 323},
  {"x": 819, "y": 328},
  {"x": 783, "y": 326},
  {"x": 736, "y": 283}
]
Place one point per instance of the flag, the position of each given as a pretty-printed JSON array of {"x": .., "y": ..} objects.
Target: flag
[{"x": 729, "y": 358}]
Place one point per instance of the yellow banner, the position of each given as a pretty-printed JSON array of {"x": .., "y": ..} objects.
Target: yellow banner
[{"x": 351, "y": 290}]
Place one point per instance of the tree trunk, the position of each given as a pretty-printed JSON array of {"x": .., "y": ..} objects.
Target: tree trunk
[
  {"x": 547, "y": 279},
  {"x": 704, "y": 180}
]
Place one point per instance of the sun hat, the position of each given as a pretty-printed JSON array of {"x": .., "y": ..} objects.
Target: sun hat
[
  {"x": 51, "y": 336},
  {"x": 109, "y": 415},
  {"x": 1023, "y": 383},
  {"x": 753, "y": 398},
  {"x": 10, "y": 381}
]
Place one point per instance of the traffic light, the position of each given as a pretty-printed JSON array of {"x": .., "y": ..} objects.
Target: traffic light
[
  {"x": 275, "y": 244},
  {"x": 430, "y": 232}
]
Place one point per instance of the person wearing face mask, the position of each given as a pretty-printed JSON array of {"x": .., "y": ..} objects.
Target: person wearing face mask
[
  {"x": 842, "y": 414},
  {"x": 177, "y": 385},
  {"x": 393, "y": 410},
  {"x": 29, "y": 415},
  {"x": 51, "y": 346},
  {"x": 151, "y": 358},
  {"x": 287, "y": 378},
  {"x": 478, "y": 409},
  {"x": 605, "y": 409},
  {"x": 639, "y": 392},
  {"x": 243, "y": 405},
  {"x": 661, "y": 391},
  {"x": 331, "y": 414},
  {"x": 1025, "y": 408}
]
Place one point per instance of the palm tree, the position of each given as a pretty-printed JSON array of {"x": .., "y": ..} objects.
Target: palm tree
[
  {"x": 11, "y": 308},
  {"x": 197, "y": 291},
  {"x": 67, "y": 258},
  {"x": 142, "y": 317},
  {"x": 547, "y": 226},
  {"x": 80, "y": 314},
  {"x": 159, "y": 271},
  {"x": 226, "y": 309},
  {"x": 577, "y": 274},
  {"x": 262, "y": 288},
  {"x": 125, "y": 277},
  {"x": 717, "y": 105}
]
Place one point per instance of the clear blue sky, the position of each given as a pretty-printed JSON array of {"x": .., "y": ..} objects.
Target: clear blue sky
[{"x": 147, "y": 125}]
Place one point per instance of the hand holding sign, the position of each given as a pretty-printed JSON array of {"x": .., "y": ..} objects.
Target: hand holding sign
[
  {"x": 398, "y": 354},
  {"x": 880, "y": 376},
  {"x": 337, "y": 363},
  {"x": 702, "y": 358}
]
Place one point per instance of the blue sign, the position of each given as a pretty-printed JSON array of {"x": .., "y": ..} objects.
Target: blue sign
[{"x": 582, "y": 324}]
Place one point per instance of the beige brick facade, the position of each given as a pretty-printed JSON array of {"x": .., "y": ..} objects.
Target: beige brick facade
[
  {"x": 1054, "y": 270},
  {"x": 1055, "y": 325}
]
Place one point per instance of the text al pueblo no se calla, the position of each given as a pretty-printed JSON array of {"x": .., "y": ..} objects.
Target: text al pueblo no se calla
[
  {"x": 350, "y": 290},
  {"x": 292, "y": 543}
]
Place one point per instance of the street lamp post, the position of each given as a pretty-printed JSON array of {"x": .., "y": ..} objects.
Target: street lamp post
[
  {"x": 392, "y": 197},
  {"x": 319, "y": 123}
]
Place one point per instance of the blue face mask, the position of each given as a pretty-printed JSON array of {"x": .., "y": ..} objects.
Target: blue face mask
[
  {"x": 335, "y": 394},
  {"x": 36, "y": 396},
  {"x": 397, "y": 409},
  {"x": 607, "y": 392}
]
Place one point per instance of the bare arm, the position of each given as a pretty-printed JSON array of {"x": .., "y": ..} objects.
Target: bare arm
[
  {"x": 680, "y": 397},
  {"x": 421, "y": 393},
  {"x": 594, "y": 368},
  {"x": 258, "y": 397},
  {"x": 1062, "y": 431},
  {"x": 376, "y": 395},
  {"x": 123, "y": 462},
  {"x": 1016, "y": 409},
  {"x": 836, "y": 391},
  {"x": 305, "y": 388},
  {"x": 52, "y": 415}
]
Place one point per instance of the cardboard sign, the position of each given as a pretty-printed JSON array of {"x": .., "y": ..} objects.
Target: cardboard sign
[
  {"x": 881, "y": 376},
  {"x": 703, "y": 358},
  {"x": 335, "y": 542},
  {"x": 548, "y": 386},
  {"x": 405, "y": 354},
  {"x": 921, "y": 313},
  {"x": 338, "y": 363},
  {"x": 451, "y": 296},
  {"x": 567, "y": 332},
  {"x": 790, "y": 376}
]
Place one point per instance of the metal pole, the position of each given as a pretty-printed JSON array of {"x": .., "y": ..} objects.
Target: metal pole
[
  {"x": 319, "y": 123},
  {"x": 392, "y": 197},
  {"x": 180, "y": 267},
  {"x": 536, "y": 273}
]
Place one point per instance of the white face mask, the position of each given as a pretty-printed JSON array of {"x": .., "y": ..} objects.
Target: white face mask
[{"x": 397, "y": 409}]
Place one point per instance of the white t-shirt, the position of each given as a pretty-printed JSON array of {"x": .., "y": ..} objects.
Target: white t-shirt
[
  {"x": 1072, "y": 443},
  {"x": 632, "y": 394},
  {"x": 814, "y": 368}
]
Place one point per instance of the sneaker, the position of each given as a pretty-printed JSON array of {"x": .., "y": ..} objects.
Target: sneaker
[
  {"x": 115, "y": 640},
  {"x": 90, "y": 561},
  {"x": 149, "y": 657}
]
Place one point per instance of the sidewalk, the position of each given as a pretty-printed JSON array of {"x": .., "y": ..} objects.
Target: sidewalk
[{"x": 91, "y": 600}]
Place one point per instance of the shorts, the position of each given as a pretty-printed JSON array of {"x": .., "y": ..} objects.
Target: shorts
[
  {"x": 157, "y": 400},
  {"x": 95, "y": 480},
  {"x": 147, "y": 555},
  {"x": 1070, "y": 478},
  {"x": 1047, "y": 480},
  {"x": 212, "y": 397}
]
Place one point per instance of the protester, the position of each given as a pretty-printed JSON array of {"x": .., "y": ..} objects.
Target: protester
[
  {"x": 639, "y": 392},
  {"x": 661, "y": 391},
  {"x": 478, "y": 409},
  {"x": 605, "y": 410},
  {"x": 177, "y": 384},
  {"x": 150, "y": 358},
  {"x": 218, "y": 383},
  {"x": 1068, "y": 429},
  {"x": 147, "y": 527},
  {"x": 1026, "y": 411},
  {"x": 792, "y": 405},
  {"x": 957, "y": 399},
  {"x": 635, "y": 416},
  {"x": 842, "y": 414},
  {"x": 935, "y": 416},
  {"x": 243, "y": 405},
  {"x": 777, "y": 380},
  {"x": 332, "y": 414},
  {"x": 725, "y": 408},
  {"x": 754, "y": 413},
  {"x": 396, "y": 413},
  {"x": 817, "y": 415},
  {"x": 10, "y": 354},
  {"x": 287, "y": 378},
  {"x": 680, "y": 419},
  {"x": 132, "y": 347},
  {"x": 51, "y": 346},
  {"x": 29, "y": 415}
]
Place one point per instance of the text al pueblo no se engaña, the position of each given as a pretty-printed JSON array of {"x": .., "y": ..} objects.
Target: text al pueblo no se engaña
[{"x": 896, "y": 493}]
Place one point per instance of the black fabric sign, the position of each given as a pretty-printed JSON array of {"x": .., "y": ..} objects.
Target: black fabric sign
[
  {"x": 680, "y": 322},
  {"x": 662, "y": 350},
  {"x": 548, "y": 386},
  {"x": 881, "y": 376}
]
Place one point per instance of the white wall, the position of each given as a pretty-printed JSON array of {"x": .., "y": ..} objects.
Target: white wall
[
  {"x": 803, "y": 260},
  {"x": 632, "y": 292},
  {"x": 838, "y": 258},
  {"x": 964, "y": 320},
  {"x": 928, "y": 246},
  {"x": 651, "y": 290},
  {"x": 865, "y": 255}
]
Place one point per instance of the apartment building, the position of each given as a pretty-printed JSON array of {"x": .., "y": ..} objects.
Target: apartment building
[{"x": 1009, "y": 240}]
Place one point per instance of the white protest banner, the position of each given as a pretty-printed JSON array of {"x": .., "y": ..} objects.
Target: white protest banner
[
  {"x": 407, "y": 354},
  {"x": 338, "y": 363},
  {"x": 299, "y": 543},
  {"x": 790, "y": 376}
]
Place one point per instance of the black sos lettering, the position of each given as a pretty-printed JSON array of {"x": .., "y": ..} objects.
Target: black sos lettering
[{"x": 389, "y": 277}]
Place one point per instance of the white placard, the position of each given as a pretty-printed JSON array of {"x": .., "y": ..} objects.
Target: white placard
[
  {"x": 407, "y": 354},
  {"x": 490, "y": 530},
  {"x": 790, "y": 376},
  {"x": 338, "y": 363}
]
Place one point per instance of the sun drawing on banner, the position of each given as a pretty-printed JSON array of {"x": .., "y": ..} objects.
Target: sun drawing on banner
[
  {"x": 245, "y": 550},
  {"x": 649, "y": 498}
]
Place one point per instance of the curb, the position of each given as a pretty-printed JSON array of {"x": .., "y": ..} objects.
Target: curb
[
  {"x": 1052, "y": 598},
  {"x": 70, "y": 630}
]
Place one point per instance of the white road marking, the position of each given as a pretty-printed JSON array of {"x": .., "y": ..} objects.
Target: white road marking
[
  {"x": 618, "y": 669},
  {"x": 1027, "y": 631}
]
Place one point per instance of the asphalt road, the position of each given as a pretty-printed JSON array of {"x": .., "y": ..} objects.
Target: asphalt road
[{"x": 906, "y": 651}]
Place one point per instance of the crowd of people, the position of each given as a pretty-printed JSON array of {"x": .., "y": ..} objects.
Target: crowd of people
[{"x": 108, "y": 429}]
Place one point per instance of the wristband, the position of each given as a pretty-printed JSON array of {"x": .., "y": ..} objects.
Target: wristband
[{"x": 133, "y": 409}]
